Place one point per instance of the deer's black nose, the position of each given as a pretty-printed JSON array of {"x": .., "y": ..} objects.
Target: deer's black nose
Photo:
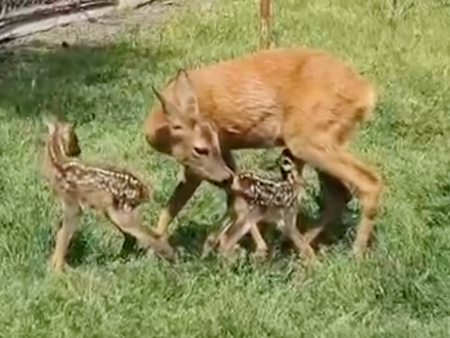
[{"x": 224, "y": 183}]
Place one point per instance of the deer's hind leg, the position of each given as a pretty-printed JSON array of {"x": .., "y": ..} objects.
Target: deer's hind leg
[
  {"x": 130, "y": 224},
  {"x": 64, "y": 234},
  {"x": 339, "y": 163},
  {"x": 334, "y": 197}
]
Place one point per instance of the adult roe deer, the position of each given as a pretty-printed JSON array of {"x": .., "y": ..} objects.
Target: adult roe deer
[{"x": 300, "y": 98}]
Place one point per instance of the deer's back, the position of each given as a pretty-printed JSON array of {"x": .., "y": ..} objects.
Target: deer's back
[
  {"x": 99, "y": 186},
  {"x": 250, "y": 97}
]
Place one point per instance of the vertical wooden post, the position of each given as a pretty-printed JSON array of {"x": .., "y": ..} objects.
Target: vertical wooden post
[{"x": 265, "y": 15}]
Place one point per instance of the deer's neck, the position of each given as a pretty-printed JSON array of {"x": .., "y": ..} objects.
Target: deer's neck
[
  {"x": 292, "y": 178},
  {"x": 55, "y": 152}
]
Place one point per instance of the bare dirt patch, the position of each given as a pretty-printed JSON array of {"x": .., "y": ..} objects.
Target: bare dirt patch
[{"x": 104, "y": 29}]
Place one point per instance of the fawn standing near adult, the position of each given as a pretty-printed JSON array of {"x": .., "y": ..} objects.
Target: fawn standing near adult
[
  {"x": 303, "y": 99},
  {"x": 256, "y": 200},
  {"x": 111, "y": 191}
]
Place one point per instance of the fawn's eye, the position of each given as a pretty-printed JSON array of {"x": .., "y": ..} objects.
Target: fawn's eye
[
  {"x": 177, "y": 127},
  {"x": 201, "y": 151}
]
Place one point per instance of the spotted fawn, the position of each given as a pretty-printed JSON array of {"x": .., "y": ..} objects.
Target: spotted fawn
[
  {"x": 114, "y": 192},
  {"x": 256, "y": 200}
]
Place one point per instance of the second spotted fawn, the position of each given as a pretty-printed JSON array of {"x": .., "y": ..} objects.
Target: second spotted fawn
[
  {"x": 114, "y": 192},
  {"x": 256, "y": 200}
]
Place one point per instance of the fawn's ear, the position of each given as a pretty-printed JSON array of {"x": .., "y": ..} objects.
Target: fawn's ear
[
  {"x": 50, "y": 121},
  {"x": 185, "y": 93}
]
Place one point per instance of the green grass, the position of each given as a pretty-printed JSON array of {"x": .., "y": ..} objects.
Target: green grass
[{"x": 401, "y": 290}]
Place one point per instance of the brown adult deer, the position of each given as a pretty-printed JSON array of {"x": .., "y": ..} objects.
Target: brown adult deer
[
  {"x": 114, "y": 192},
  {"x": 304, "y": 99}
]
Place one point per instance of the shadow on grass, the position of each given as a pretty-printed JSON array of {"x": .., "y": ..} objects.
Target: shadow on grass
[
  {"x": 82, "y": 79},
  {"x": 341, "y": 230},
  {"x": 191, "y": 237},
  {"x": 82, "y": 252}
]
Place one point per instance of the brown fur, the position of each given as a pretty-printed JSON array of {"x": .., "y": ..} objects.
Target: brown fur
[
  {"x": 301, "y": 98},
  {"x": 114, "y": 192}
]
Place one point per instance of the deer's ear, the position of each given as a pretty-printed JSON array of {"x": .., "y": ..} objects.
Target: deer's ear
[
  {"x": 185, "y": 93},
  {"x": 168, "y": 107}
]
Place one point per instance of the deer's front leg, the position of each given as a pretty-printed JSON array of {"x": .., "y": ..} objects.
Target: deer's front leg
[
  {"x": 64, "y": 234},
  {"x": 183, "y": 192}
]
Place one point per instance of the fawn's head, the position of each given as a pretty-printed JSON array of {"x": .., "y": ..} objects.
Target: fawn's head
[
  {"x": 63, "y": 133},
  {"x": 288, "y": 168},
  {"x": 194, "y": 140},
  {"x": 242, "y": 183}
]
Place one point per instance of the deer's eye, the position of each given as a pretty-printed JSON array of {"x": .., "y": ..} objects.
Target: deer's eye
[
  {"x": 201, "y": 151},
  {"x": 177, "y": 127}
]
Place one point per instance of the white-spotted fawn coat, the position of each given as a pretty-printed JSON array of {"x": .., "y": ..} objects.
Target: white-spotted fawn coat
[
  {"x": 114, "y": 192},
  {"x": 257, "y": 199}
]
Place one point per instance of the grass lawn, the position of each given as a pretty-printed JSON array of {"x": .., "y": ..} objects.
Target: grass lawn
[{"x": 401, "y": 290}]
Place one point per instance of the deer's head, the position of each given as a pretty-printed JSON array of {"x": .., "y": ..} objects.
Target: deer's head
[
  {"x": 194, "y": 140},
  {"x": 63, "y": 133}
]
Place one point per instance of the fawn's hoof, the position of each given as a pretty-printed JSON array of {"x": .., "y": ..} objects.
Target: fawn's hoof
[
  {"x": 57, "y": 264},
  {"x": 209, "y": 245},
  {"x": 166, "y": 251},
  {"x": 359, "y": 250},
  {"x": 260, "y": 254}
]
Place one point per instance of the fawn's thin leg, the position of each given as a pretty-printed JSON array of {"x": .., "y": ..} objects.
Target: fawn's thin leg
[
  {"x": 342, "y": 165},
  {"x": 291, "y": 231},
  {"x": 129, "y": 222},
  {"x": 235, "y": 232},
  {"x": 64, "y": 234},
  {"x": 216, "y": 237},
  {"x": 224, "y": 240},
  {"x": 261, "y": 247},
  {"x": 334, "y": 197},
  {"x": 183, "y": 192},
  {"x": 220, "y": 238}
]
